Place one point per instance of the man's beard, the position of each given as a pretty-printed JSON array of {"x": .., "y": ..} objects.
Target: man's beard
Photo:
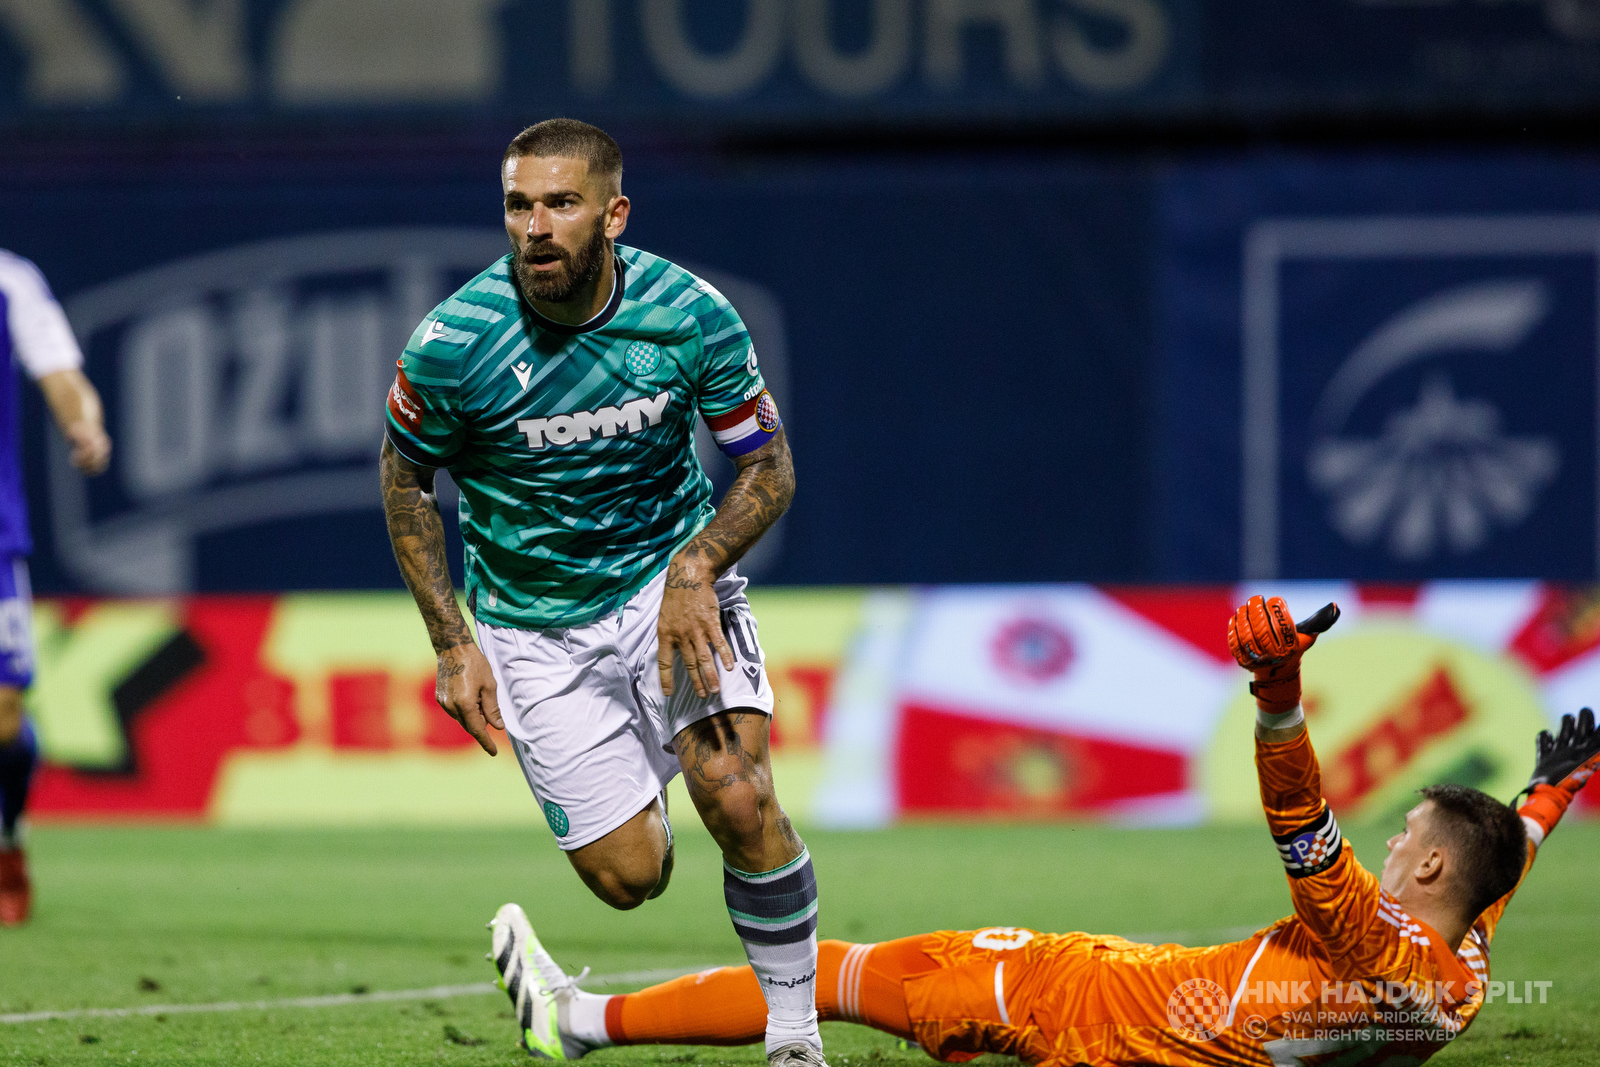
[{"x": 577, "y": 270}]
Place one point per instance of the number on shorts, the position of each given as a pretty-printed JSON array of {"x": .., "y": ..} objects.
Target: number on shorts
[{"x": 740, "y": 629}]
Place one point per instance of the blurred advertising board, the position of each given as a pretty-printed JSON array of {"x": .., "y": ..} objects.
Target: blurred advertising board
[
  {"x": 318, "y": 708},
  {"x": 1121, "y": 703},
  {"x": 1010, "y": 702},
  {"x": 1383, "y": 367},
  {"x": 240, "y": 385},
  {"x": 740, "y": 61},
  {"x": 245, "y": 332},
  {"x": 801, "y": 62}
]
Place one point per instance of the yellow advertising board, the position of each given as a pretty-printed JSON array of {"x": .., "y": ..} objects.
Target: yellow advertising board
[{"x": 318, "y": 708}]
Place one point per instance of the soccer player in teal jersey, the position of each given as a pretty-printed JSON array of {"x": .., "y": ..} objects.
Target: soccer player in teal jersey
[{"x": 615, "y": 645}]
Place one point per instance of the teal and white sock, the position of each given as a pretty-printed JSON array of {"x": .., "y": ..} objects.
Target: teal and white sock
[{"x": 775, "y": 916}]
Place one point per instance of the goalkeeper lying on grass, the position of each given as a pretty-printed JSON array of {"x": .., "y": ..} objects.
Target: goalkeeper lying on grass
[{"x": 1369, "y": 970}]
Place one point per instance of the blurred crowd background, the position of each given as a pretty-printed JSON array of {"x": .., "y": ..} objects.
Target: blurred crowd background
[{"x": 1085, "y": 317}]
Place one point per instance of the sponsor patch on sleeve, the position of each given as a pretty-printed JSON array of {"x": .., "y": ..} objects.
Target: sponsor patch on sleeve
[
  {"x": 403, "y": 402},
  {"x": 748, "y": 426},
  {"x": 1311, "y": 849}
]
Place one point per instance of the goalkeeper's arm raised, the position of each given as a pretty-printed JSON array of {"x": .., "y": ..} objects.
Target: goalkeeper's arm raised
[
  {"x": 1333, "y": 894},
  {"x": 1563, "y": 763}
]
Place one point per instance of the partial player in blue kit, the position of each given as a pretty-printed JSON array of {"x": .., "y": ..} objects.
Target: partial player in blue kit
[{"x": 35, "y": 335}]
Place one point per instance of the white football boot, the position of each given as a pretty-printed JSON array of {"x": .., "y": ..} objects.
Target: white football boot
[
  {"x": 541, "y": 993},
  {"x": 798, "y": 1054}
]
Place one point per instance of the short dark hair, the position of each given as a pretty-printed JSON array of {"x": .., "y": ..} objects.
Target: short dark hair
[
  {"x": 1486, "y": 839},
  {"x": 573, "y": 139}
]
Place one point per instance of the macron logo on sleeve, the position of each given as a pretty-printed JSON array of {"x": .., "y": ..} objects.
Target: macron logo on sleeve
[{"x": 608, "y": 422}]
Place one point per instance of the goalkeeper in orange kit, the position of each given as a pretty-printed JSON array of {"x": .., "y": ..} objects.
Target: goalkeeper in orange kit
[{"x": 1368, "y": 970}]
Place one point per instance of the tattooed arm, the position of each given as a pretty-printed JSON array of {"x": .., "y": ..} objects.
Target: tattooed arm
[
  {"x": 690, "y": 621},
  {"x": 465, "y": 685}
]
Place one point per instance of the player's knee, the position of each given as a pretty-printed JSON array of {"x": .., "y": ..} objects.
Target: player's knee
[
  {"x": 618, "y": 895},
  {"x": 624, "y": 882},
  {"x": 738, "y": 816},
  {"x": 624, "y": 890}
]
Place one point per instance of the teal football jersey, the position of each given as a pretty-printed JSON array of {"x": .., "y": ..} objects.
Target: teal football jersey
[{"x": 573, "y": 446}]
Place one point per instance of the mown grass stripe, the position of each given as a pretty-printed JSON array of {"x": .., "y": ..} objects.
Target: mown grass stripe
[{"x": 335, "y": 1000}]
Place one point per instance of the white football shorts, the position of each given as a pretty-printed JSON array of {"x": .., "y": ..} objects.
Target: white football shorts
[{"x": 584, "y": 709}]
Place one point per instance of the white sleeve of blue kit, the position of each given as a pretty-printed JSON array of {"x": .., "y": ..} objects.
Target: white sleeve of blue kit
[{"x": 40, "y": 334}]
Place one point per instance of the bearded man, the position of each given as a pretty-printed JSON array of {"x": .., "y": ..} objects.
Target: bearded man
[{"x": 615, "y": 645}]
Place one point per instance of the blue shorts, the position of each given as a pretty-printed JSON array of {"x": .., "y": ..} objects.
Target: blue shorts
[{"x": 16, "y": 624}]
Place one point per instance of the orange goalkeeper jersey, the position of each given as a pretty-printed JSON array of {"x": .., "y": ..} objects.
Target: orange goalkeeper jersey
[{"x": 1350, "y": 978}]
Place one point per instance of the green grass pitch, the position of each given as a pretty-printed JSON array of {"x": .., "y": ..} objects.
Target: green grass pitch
[{"x": 139, "y": 916}]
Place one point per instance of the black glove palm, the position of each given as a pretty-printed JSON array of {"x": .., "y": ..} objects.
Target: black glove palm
[{"x": 1564, "y": 754}]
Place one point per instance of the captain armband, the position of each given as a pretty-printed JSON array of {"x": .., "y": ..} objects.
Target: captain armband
[
  {"x": 1311, "y": 849},
  {"x": 748, "y": 426}
]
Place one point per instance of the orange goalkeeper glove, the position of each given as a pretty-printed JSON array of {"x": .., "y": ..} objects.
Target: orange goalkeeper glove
[
  {"x": 1265, "y": 641},
  {"x": 1564, "y": 764}
]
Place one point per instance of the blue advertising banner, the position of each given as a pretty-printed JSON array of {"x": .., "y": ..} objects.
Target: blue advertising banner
[
  {"x": 958, "y": 349},
  {"x": 1361, "y": 56},
  {"x": 1383, "y": 369},
  {"x": 808, "y": 61},
  {"x": 819, "y": 63}
]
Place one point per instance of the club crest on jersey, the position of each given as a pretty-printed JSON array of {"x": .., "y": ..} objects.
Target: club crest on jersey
[
  {"x": 608, "y": 422},
  {"x": 642, "y": 357}
]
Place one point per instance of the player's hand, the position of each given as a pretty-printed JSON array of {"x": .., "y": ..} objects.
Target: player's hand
[
  {"x": 465, "y": 689},
  {"x": 1264, "y": 640},
  {"x": 1570, "y": 758},
  {"x": 1563, "y": 765},
  {"x": 1263, "y": 636},
  {"x": 90, "y": 445},
  {"x": 691, "y": 626}
]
